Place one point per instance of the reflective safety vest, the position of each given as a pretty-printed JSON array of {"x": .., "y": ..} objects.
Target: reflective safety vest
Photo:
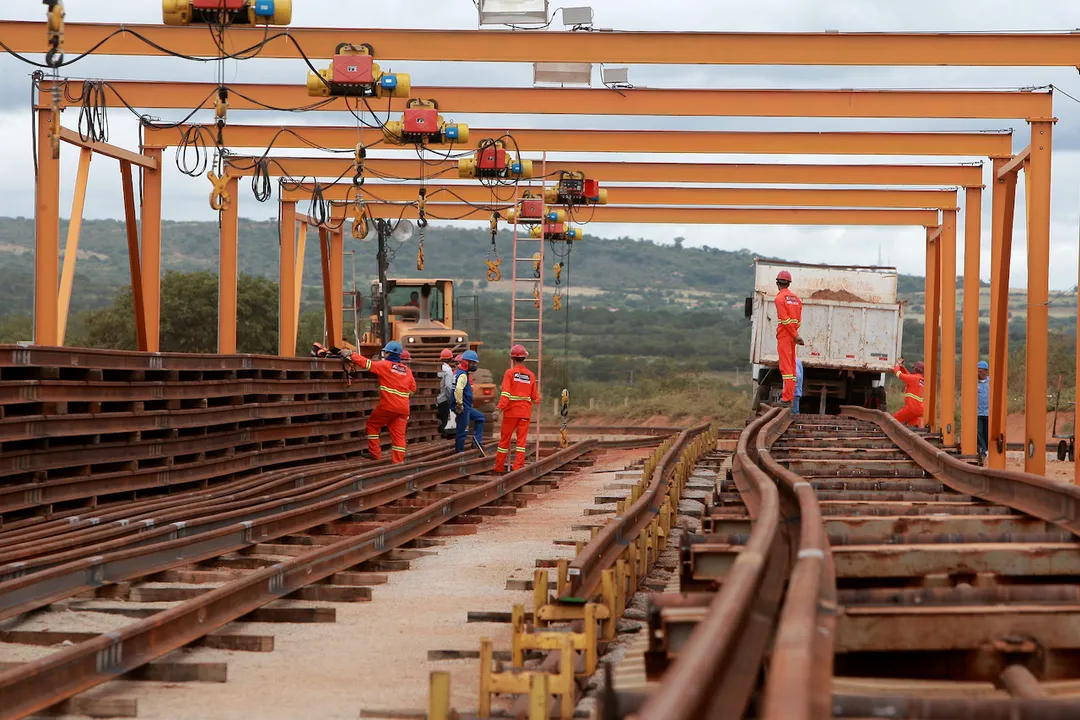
[
  {"x": 913, "y": 385},
  {"x": 396, "y": 382},
  {"x": 519, "y": 392}
]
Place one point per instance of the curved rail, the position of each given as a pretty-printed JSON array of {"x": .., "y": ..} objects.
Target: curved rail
[
  {"x": 44, "y": 682},
  {"x": 717, "y": 670},
  {"x": 798, "y": 684},
  {"x": 600, "y": 553}
]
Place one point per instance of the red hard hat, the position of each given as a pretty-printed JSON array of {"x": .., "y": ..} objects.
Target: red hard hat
[
  {"x": 519, "y": 351},
  {"x": 917, "y": 367},
  {"x": 405, "y": 356},
  {"x": 783, "y": 275},
  {"x": 446, "y": 354}
]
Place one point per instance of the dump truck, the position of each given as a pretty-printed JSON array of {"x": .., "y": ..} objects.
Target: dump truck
[
  {"x": 421, "y": 317},
  {"x": 852, "y": 325}
]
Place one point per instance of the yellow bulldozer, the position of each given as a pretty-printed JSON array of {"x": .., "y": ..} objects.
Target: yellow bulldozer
[{"x": 420, "y": 315}]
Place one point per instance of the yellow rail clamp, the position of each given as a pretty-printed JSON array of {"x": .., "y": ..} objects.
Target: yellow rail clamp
[
  {"x": 219, "y": 196},
  {"x": 587, "y": 642},
  {"x": 610, "y": 602},
  {"x": 560, "y": 684}
]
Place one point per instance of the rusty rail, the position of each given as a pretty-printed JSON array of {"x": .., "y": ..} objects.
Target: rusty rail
[
  {"x": 798, "y": 684},
  {"x": 44, "y": 682},
  {"x": 1054, "y": 502},
  {"x": 601, "y": 551},
  {"x": 717, "y": 670}
]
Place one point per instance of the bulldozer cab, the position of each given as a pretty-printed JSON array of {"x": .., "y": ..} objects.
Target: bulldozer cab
[{"x": 421, "y": 317}]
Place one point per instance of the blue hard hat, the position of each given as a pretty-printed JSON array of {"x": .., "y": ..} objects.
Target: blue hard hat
[
  {"x": 470, "y": 356},
  {"x": 983, "y": 365},
  {"x": 393, "y": 348}
]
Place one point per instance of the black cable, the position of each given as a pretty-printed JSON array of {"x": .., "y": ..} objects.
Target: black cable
[
  {"x": 93, "y": 112},
  {"x": 261, "y": 185},
  {"x": 35, "y": 80}
]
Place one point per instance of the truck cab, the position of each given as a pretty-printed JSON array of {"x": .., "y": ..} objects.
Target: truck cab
[{"x": 852, "y": 325}]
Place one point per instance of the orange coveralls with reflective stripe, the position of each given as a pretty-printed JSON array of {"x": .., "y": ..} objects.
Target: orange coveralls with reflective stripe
[
  {"x": 788, "y": 322},
  {"x": 519, "y": 394},
  {"x": 912, "y": 412},
  {"x": 396, "y": 385}
]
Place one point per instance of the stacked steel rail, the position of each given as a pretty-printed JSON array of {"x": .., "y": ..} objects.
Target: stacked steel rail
[
  {"x": 862, "y": 570},
  {"x": 82, "y": 426}
]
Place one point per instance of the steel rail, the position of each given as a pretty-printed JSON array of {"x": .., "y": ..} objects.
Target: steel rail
[
  {"x": 717, "y": 670},
  {"x": 800, "y": 673},
  {"x": 37, "y": 685},
  {"x": 37, "y": 551},
  {"x": 585, "y": 570},
  {"x": 27, "y": 591},
  {"x": 1046, "y": 499}
]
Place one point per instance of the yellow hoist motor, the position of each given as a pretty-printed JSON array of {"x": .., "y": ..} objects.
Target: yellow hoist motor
[
  {"x": 226, "y": 12},
  {"x": 354, "y": 73}
]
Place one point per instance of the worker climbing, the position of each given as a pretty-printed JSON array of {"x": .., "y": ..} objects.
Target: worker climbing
[
  {"x": 463, "y": 402},
  {"x": 396, "y": 385},
  {"x": 519, "y": 394},
  {"x": 788, "y": 324},
  {"x": 912, "y": 412}
]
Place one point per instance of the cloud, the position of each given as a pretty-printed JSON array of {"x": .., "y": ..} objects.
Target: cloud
[{"x": 186, "y": 197}]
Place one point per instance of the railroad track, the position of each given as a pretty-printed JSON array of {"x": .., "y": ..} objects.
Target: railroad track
[
  {"x": 317, "y": 532},
  {"x": 852, "y": 568}
]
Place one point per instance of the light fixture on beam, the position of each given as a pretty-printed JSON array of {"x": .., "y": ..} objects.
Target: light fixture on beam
[
  {"x": 615, "y": 77},
  {"x": 562, "y": 73},
  {"x": 577, "y": 18},
  {"x": 513, "y": 12}
]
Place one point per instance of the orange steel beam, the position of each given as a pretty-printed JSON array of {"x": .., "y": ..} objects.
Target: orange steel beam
[
  {"x": 298, "y": 280},
  {"x": 955, "y": 144},
  {"x": 683, "y": 48},
  {"x": 1004, "y": 206},
  {"x": 930, "y": 341},
  {"x": 1037, "y": 186},
  {"x": 46, "y": 237},
  {"x": 134, "y": 259},
  {"x": 151, "y": 250},
  {"x": 947, "y": 273},
  {"x": 1016, "y": 164},
  {"x": 116, "y": 153},
  {"x": 677, "y": 215},
  {"x": 286, "y": 277},
  {"x": 963, "y": 104},
  {"x": 969, "y": 355},
  {"x": 71, "y": 249},
  {"x": 783, "y": 197},
  {"x": 610, "y": 172},
  {"x": 227, "y": 275}
]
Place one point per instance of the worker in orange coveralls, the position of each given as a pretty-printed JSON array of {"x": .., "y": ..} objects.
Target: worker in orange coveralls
[
  {"x": 912, "y": 412},
  {"x": 788, "y": 323},
  {"x": 519, "y": 394},
  {"x": 396, "y": 385}
]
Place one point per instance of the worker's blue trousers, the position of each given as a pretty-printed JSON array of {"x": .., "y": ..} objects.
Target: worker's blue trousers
[{"x": 469, "y": 415}]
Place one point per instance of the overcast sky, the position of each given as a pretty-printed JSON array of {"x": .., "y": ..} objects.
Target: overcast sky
[{"x": 186, "y": 198}]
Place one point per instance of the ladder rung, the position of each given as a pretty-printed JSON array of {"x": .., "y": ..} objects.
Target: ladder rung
[
  {"x": 525, "y": 299},
  {"x": 526, "y": 320}
]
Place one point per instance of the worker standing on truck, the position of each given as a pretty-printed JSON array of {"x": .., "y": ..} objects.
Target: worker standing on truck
[
  {"x": 798, "y": 385},
  {"x": 788, "y": 324},
  {"x": 446, "y": 389},
  {"x": 984, "y": 409},
  {"x": 396, "y": 385},
  {"x": 519, "y": 394},
  {"x": 463, "y": 401},
  {"x": 911, "y": 413}
]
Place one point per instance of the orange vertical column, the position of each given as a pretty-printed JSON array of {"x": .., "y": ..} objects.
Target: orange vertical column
[
  {"x": 71, "y": 249},
  {"x": 931, "y": 329},
  {"x": 1037, "y": 186},
  {"x": 151, "y": 250},
  {"x": 134, "y": 254},
  {"x": 1003, "y": 195},
  {"x": 969, "y": 355},
  {"x": 947, "y": 359},
  {"x": 227, "y": 275},
  {"x": 287, "y": 279},
  {"x": 332, "y": 331},
  {"x": 337, "y": 280},
  {"x": 46, "y": 237}
]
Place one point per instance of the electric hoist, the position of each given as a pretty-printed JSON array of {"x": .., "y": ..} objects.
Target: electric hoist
[
  {"x": 421, "y": 124},
  {"x": 226, "y": 12},
  {"x": 493, "y": 161},
  {"x": 530, "y": 210},
  {"x": 353, "y": 72},
  {"x": 555, "y": 231},
  {"x": 573, "y": 189}
]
